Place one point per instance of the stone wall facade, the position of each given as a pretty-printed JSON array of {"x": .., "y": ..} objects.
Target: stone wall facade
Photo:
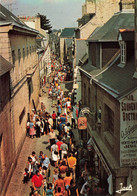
[
  {"x": 20, "y": 50},
  {"x": 6, "y": 148},
  {"x": 62, "y": 50}
]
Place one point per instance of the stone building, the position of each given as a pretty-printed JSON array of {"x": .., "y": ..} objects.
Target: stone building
[
  {"x": 43, "y": 47},
  {"x": 55, "y": 41},
  {"x": 6, "y": 148},
  {"x": 108, "y": 88},
  {"x": 96, "y": 13},
  {"x": 35, "y": 23},
  {"x": 43, "y": 51},
  {"x": 18, "y": 46},
  {"x": 67, "y": 33}
]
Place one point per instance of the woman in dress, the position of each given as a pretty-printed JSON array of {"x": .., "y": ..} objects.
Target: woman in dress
[{"x": 32, "y": 131}]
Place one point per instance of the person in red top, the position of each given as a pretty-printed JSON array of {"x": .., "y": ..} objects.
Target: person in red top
[
  {"x": 37, "y": 182},
  {"x": 54, "y": 119},
  {"x": 59, "y": 143}
]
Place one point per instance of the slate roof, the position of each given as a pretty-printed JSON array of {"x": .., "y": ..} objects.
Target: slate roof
[
  {"x": 109, "y": 31},
  {"x": 5, "y": 66},
  {"x": 81, "y": 49},
  {"x": 68, "y": 43},
  {"x": 90, "y": 69},
  {"x": 68, "y": 33},
  {"x": 8, "y": 18},
  {"x": 118, "y": 80}
]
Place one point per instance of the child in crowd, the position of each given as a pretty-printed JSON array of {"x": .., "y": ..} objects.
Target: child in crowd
[
  {"x": 49, "y": 191},
  {"x": 26, "y": 176}
]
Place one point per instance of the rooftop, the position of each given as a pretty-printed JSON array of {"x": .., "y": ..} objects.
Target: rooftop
[
  {"x": 118, "y": 80},
  {"x": 109, "y": 31},
  {"x": 68, "y": 33},
  {"x": 8, "y": 18}
]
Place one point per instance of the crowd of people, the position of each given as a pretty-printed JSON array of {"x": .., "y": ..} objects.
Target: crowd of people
[{"x": 70, "y": 177}]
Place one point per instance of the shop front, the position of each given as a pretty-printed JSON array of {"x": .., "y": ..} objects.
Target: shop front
[{"x": 101, "y": 169}]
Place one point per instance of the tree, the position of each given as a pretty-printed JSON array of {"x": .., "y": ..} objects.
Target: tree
[{"x": 45, "y": 23}]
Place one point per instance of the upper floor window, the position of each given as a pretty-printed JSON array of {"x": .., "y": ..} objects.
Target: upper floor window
[
  {"x": 27, "y": 52},
  {"x": 109, "y": 115},
  {"x": 23, "y": 54},
  {"x": 30, "y": 50},
  {"x": 19, "y": 56},
  {"x": 13, "y": 57},
  {"x": 22, "y": 115},
  {"x": 123, "y": 52}
]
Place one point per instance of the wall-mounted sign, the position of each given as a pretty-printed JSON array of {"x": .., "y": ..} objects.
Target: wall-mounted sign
[
  {"x": 128, "y": 130},
  {"x": 82, "y": 123}
]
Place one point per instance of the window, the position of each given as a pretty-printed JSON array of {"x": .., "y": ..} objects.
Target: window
[
  {"x": 23, "y": 54},
  {"x": 22, "y": 115},
  {"x": 27, "y": 52},
  {"x": 30, "y": 50},
  {"x": 109, "y": 119},
  {"x": 123, "y": 52},
  {"x": 30, "y": 87},
  {"x": 19, "y": 56},
  {"x": 13, "y": 57}
]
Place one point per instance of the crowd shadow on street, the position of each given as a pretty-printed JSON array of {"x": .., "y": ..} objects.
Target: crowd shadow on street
[{"x": 45, "y": 142}]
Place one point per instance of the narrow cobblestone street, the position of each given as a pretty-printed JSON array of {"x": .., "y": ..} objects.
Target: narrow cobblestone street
[{"x": 16, "y": 186}]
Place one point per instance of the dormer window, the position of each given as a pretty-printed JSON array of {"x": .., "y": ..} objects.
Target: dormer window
[{"x": 123, "y": 52}]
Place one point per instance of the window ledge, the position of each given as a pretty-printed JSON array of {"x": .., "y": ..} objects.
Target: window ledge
[{"x": 109, "y": 138}]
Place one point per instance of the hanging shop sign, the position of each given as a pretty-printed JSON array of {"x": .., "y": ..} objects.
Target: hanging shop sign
[
  {"x": 82, "y": 123},
  {"x": 128, "y": 130}
]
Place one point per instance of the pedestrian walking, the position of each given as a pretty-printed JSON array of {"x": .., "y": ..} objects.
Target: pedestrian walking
[
  {"x": 64, "y": 149},
  {"x": 38, "y": 124},
  {"x": 37, "y": 182},
  {"x": 52, "y": 137},
  {"x": 34, "y": 162},
  {"x": 72, "y": 164},
  {"x": 55, "y": 154},
  {"x": 59, "y": 143},
  {"x": 54, "y": 119},
  {"x": 73, "y": 189}
]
